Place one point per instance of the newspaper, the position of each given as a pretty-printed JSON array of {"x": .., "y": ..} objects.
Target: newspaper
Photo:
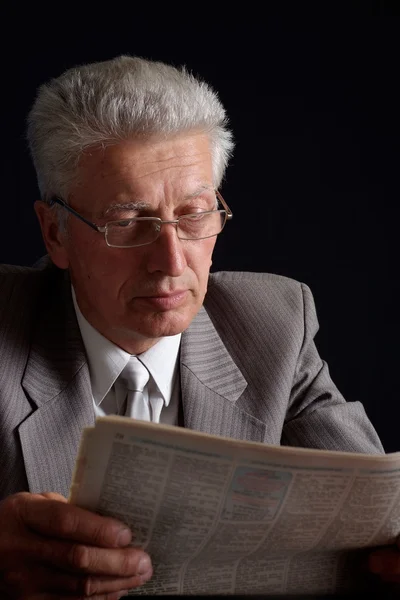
[{"x": 225, "y": 516}]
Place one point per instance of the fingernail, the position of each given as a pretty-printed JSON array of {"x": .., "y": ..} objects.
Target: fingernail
[
  {"x": 124, "y": 537},
  {"x": 122, "y": 594},
  {"x": 144, "y": 565},
  {"x": 376, "y": 564}
]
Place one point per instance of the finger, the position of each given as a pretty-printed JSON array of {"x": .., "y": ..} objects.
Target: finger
[
  {"x": 57, "y": 518},
  {"x": 107, "y": 585},
  {"x": 385, "y": 562},
  {"x": 53, "y": 496},
  {"x": 116, "y": 562},
  {"x": 56, "y": 581},
  {"x": 112, "y": 596}
]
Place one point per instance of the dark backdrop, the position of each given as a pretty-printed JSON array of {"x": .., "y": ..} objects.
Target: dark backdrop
[{"x": 314, "y": 106}]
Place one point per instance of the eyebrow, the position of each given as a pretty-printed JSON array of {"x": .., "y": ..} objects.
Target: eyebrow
[
  {"x": 203, "y": 188},
  {"x": 140, "y": 204}
]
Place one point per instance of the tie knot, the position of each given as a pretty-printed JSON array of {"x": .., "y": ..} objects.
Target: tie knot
[{"x": 135, "y": 375}]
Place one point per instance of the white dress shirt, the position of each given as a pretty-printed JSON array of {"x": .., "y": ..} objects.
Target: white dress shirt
[{"x": 106, "y": 362}]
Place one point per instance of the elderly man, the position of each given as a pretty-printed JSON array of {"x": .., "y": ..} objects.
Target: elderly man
[{"x": 129, "y": 156}]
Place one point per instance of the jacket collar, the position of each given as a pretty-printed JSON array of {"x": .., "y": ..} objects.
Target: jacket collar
[
  {"x": 212, "y": 384},
  {"x": 56, "y": 381}
]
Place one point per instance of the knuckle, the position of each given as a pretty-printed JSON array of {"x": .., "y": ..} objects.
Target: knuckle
[
  {"x": 65, "y": 520},
  {"x": 100, "y": 532},
  {"x": 79, "y": 557},
  {"x": 129, "y": 564},
  {"x": 13, "y": 503}
]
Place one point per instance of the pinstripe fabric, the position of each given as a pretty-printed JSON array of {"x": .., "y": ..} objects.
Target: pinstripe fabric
[
  {"x": 44, "y": 385},
  {"x": 15, "y": 325},
  {"x": 249, "y": 370},
  {"x": 267, "y": 324}
]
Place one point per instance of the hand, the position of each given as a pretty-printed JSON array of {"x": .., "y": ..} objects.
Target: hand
[
  {"x": 385, "y": 562},
  {"x": 50, "y": 549}
]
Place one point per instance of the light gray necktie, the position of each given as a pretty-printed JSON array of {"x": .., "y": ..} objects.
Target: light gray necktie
[{"x": 135, "y": 376}]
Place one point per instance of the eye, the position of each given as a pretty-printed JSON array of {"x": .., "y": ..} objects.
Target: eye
[
  {"x": 194, "y": 222},
  {"x": 196, "y": 217},
  {"x": 122, "y": 224}
]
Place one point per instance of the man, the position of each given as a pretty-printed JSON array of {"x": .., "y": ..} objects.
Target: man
[{"x": 129, "y": 156}]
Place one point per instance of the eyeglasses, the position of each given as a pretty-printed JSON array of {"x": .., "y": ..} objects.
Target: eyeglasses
[{"x": 140, "y": 231}]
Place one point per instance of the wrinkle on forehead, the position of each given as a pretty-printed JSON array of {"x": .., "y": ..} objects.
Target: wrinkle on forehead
[
  {"x": 154, "y": 150},
  {"x": 169, "y": 167},
  {"x": 152, "y": 161},
  {"x": 122, "y": 173}
]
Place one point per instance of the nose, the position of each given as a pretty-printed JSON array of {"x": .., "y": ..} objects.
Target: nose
[{"x": 167, "y": 254}]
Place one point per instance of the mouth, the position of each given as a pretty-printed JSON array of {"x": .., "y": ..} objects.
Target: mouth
[{"x": 164, "y": 300}]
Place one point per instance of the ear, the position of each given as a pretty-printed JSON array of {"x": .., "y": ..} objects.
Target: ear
[{"x": 54, "y": 239}]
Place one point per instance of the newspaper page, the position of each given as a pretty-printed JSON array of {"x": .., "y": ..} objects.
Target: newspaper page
[{"x": 224, "y": 516}]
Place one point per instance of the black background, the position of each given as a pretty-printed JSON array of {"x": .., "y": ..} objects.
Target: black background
[{"x": 312, "y": 97}]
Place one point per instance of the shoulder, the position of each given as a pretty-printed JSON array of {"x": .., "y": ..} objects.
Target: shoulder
[
  {"x": 257, "y": 288},
  {"x": 8, "y": 272},
  {"x": 19, "y": 285},
  {"x": 264, "y": 301},
  {"x": 235, "y": 278},
  {"x": 11, "y": 275}
]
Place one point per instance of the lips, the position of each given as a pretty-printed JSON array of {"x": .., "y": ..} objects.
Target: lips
[
  {"x": 164, "y": 300},
  {"x": 166, "y": 294}
]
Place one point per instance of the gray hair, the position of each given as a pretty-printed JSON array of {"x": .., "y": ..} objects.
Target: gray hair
[{"x": 108, "y": 102}]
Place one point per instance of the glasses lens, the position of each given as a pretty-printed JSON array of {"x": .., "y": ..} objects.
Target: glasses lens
[
  {"x": 126, "y": 234},
  {"x": 201, "y": 225}
]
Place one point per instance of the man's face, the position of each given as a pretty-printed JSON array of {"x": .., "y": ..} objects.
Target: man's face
[{"x": 134, "y": 296}]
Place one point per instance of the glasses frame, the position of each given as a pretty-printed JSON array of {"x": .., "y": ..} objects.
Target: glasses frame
[{"x": 103, "y": 229}]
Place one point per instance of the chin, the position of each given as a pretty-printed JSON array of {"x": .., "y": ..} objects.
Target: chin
[{"x": 163, "y": 324}]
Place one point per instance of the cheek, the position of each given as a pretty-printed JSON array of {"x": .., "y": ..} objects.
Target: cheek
[
  {"x": 200, "y": 260},
  {"x": 97, "y": 262}
]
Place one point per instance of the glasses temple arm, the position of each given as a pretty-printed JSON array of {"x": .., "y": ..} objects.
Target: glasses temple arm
[
  {"x": 229, "y": 214},
  {"x": 56, "y": 200}
]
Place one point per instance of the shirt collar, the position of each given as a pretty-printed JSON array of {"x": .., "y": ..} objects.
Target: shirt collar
[
  {"x": 162, "y": 362},
  {"x": 107, "y": 360}
]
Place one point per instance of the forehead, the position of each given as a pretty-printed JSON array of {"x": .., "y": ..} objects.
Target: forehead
[{"x": 151, "y": 171}]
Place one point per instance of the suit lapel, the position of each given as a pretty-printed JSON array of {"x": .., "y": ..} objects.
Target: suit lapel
[
  {"x": 211, "y": 385},
  {"x": 57, "y": 382}
]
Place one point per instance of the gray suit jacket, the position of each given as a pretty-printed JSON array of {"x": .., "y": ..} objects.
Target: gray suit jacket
[{"x": 248, "y": 364}]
